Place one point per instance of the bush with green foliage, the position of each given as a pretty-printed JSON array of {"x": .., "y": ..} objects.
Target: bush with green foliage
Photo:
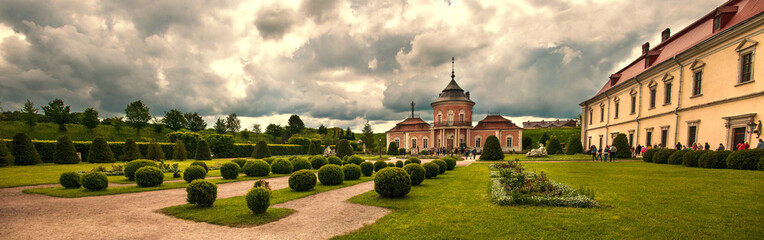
[
  {"x": 554, "y": 146},
  {"x": 623, "y": 149},
  {"x": 648, "y": 155},
  {"x": 230, "y": 170},
  {"x": 492, "y": 149},
  {"x": 203, "y": 151},
  {"x": 130, "y": 151},
  {"x": 201, "y": 164},
  {"x": 190, "y": 141},
  {"x": 256, "y": 168},
  {"x": 240, "y": 162},
  {"x": 442, "y": 165},
  {"x": 431, "y": 170},
  {"x": 334, "y": 160},
  {"x": 154, "y": 151},
  {"x": 24, "y": 151},
  {"x": 221, "y": 145},
  {"x": 65, "y": 152},
  {"x": 392, "y": 183},
  {"x": 281, "y": 166},
  {"x": 258, "y": 200},
  {"x": 345, "y": 159},
  {"x": 94, "y": 181},
  {"x": 390, "y": 164},
  {"x": 331, "y": 174},
  {"x": 392, "y": 149},
  {"x": 179, "y": 151},
  {"x": 367, "y": 168},
  {"x": 269, "y": 160},
  {"x": 6, "y": 159},
  {"x": 399, "y": 164},
  {"x": 450, "y": 162},
  {"x": 351, "y": 171},
  {"x": 261, "y": 150},
  {"x": 574, "y": 145},
  {"x": 343, "y": 149},
  {"x": 300, "y": 164},
  {"x": 663, "y": 155},
  {"x": 745, "y": 159},
  {"x": 70, "y": 180},
  {"x": 318, "y": 161},
  {"x": 133, "y": 166},
  {"x": 690, "y": 159},
  {"x": 379, "y": 165},
  {"x": 193, "y": 173},
  {"x": 201, "y": 193},
  {"x": 355, "y": 160},
  {"x": 676, "y": 157},
  {"x": 100, "y": 152},
  {"x": 714, "y": 159},
  {"x": 149, "y": 176},
  {"x": 416, "y": 172},
  {"x": 527, "y": 142},
  {"x": 303, "y": 180},
  {"x": 412, "y": 160}
]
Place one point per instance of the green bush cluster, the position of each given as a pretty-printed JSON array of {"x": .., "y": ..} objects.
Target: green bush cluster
[
  {"x": 194, "y": 173},
  {"x": 258, "y": 200},
  {"x": 351, "y": 171},
  {"x": 431, "y": 170},
  {"x": 303, "y": 180},
  {"x": 648, "y": 155},
  {"x": 133, "y": 166},
  {"x": 399, "y": 164},
  {"x": 715, "y": 159},
  {"x": 149, "y": 176},
  {"x": 416, "y": 172},
  {"x": 334, "y": 160},
  {"x": 574, "y": 145},
  {"x": 492, "y": 149},
  {"x": 451, "y": 162},
  {"x": 281, "y": 166},
  {"x": 367, "y": 168},
  {"x": 745, "y": 159},
  {"x": 201, "y": 193},
  {"x": 230, "y": 170},
  {"x": 412, "y": 160},
  {"x": 94, "y": 181},
  {"x": 663, "y": 155},
  {"x": 379, "y": 165},
  {"x": 442, "y": 165},
  {"x": 390, "y": 164},
  {"x": 392, "y": 183},
  {"x": 300, "y": 164},
  {"x": 65, "y": 153},
  {"x": 155, "y": 152},
  {"x": 690, "y": 159},
  {"x": 355, "y": 160},
  {"x": 257, "y": 168},
  {"x": 318, "y": 161},
  {"x": 331, "y": 174},
  {"x": 240, "y": 162},
  {"x": 621, "y": 143},
  {"x": 676, "y": 157},
  {"x": 343, "y": 149},
  {"x": 6, "y": 159},
  {"x": 70, "y": 180},
  {"x": 553, "y": 147},
  {"x": 269, "y": 160},
  {"x": 392, "y": 149},
  {"x": 179, "y": 151},
  {"x": 201, "y": 164}
]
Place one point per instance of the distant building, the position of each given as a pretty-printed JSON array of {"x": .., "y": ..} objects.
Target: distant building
[
  {"x": 550, "y": 124},
  {"x": 453, "y": 128},
  {"x": 696, "y": 86}
]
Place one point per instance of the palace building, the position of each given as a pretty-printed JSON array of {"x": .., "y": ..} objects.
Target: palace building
[
  {"x": 701, "y": 85},
  {"x": 452, "y": 129}
]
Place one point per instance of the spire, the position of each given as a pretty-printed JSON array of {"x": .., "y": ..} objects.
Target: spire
[
  {"x": 412, "y": 109},
  {"x": 452, "y": 69}
]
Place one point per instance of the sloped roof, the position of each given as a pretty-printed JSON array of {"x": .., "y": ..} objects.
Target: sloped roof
[
  {"x": 411, "y": 124},
  {"x": 495, "y": 122},
  {"x": 453, "y": 92},
  {"x": 545, "y": 124}
]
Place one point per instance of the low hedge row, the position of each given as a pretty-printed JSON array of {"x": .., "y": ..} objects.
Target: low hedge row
[{"x": 750, "y": 159}]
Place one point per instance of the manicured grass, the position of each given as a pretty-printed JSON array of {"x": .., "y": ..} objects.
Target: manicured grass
[
  {"x": 640, "y": 200},
  {"x": 234, "y": 212},
  {"x": 553, "y": 157}
]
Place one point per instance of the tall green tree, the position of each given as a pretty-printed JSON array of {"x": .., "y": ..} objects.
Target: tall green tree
[
  {"x": 274, "y": 130},
  {"x": 174, "y": 120},
  {"x": 130, "y": 151},
  {"x": 574, "y": 145},
  {"x": 392, "y": 149},
  {"x": 261, "y": 150},
  {"x": 322, "y": 130},
  {"x": 157, "y": 125},
  {"x": 58, "y": 113},
  {"x": 295, "y": 125},
  {"x": 30, "y": 114},
  {"x": 368, "y": 137},
  {"x": 543, "y": 140},
  {"x": 137, "y": 115},
  {"x": 195, "y": 122},
  {"x": 554, "y": 146},
  {"x": 492, "y": 149},
  {"x": 349, "y": 135},
  {"x": 621, "y": 142},
  {"x": 117, "y": 123},
  {"x": 232, "y": 123},
  {"x": 344, "y": 149},
  {"x": 527, "y": 142},
  {"x": 256, "y": 129},
  {"x": 220, "y": 126},
  {"x": 90, "y": 118}
]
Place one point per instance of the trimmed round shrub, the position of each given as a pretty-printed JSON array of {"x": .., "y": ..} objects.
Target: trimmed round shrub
[
  {"x": 492, "y": 149},
  {"x": 648, "y": 155},
  {"x": 281, "y": 166},
  {"x": 201, "y": 164},
  {"x": 99, "y": 152},
  {"x": 70, "y": 180},
  {"x": 23, "y": 150},
  {"x": 367, "y": 168},
  {"x": 676, "y": 157},
  {"x": 292, "y": 158},
  {"x": 64, "y": 152},
  {"x": 714, "y": 159},
  {"x": 269, "y": 160},
  {"x": 318, "y": 161},
  {"x": 355, "y": 160},
  {"x": 431, "y": 170},
  {"x": 258, "y": 200},
  {"x": 413, "y": 160},
  {"x": 690, "y": 159},
  {"x": 303, "y": 180},
  {"x": 203, "y": 151},
  {"x": 331, "y": 174},
  {"x": 392, "y": 183},
  {"x": 745, "y": 159},
  {"x": 351, "y": 171},
  {"x": 256, "y": 168},
  {"x": 230, "y": 170},
  {"x": 399, "y": 164},
  {"x": 134, "y": 165},
  {"x": 149, "y": 176},
  {"x": 94, "y": 181},
  {"x": 240, "y": 162},
  {"x": 6, "y": 159},
  {"x": 201, "y": 192},
  {"x": 261, "y": 150},
  {"x": 193, "y": 173},
  {"x": 416, "y": 173},
  {"x": 663, "y": 155},
  {"x": 442, "y": 165},
  {"x": 300, "y": 164},
  {"x": 450, "y": 162},
  {"x": 390, "y": 164},
  {"x": 379, "y": 165},
  {"x": 334, "y": 160}
]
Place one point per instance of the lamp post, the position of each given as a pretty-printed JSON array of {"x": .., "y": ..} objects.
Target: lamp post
[
  {"x": 452, "y": 146},
  {"x": 380, "y": 148}
]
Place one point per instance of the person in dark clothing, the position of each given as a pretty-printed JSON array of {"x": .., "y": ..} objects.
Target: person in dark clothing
[
  {"x": 720, "y": 148},
  {"x": 639, "y": 150},
  {"x": 707, "y": 147},
  {"x": 593, "y": 151},
  {"x": 678, "y": 146}
]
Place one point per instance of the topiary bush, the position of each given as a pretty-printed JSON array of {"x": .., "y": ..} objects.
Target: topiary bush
[
  {"x": 269, "y": 160},
  {"x": 574, "y": 145},
  {"x": 390, "y": 164},
  {"x": 392, "y": 183},
  {"x": 761, "y": 163},
  {"x": 99, "y": 152},
  {"x": 450, "y": 162},
  {"x": 179, "y": 151},
  {"x": 261, "y": 150},
  {"x": 194, "y": 173},
  {"x": 367, "y": 168},
  {"x": 399, "y": 164},
  {"x": 690, "y": 159},
  {"x": 553, "y": 147},
  {"x": 355, "y": 160},
  {"x": 203, "y": 151},
  {"x": 281, "y": 166},
  {"x": 258, "y": 200},
  {"x": 392, "y": 149},
  {"x": 745, "y": 159},
  {"x": 343, "y": 149},
  {"x": 154, "y": 151},
  {"x": 64, "y": 152},
  {"x": 95, "y": 181},
  {"x": 676, "y": 157},
  {"x": 442, "y": 165},
  {"x": 6, "y": 159},
  {"x": 345, "y": 159},
  {"x": 663, "y": 155},
  {"x": 714, "y": 159},
  {"x": 623, "y": 150},
  {"x": 318, "y": 161},
  {"x": 431, "y": 170},
  {"x": 70, "y": 180},
  {"x": 648, "y": 155},
  {"x": 23, "y": 150},
  {"x": 300, "y": 164},
  {"x": 201, "y": 193},
  {"x": 303, "y": 180},
  {"x": 413, "y": 160},
  {"x": 351, "y": 171},
  {"x": 416, "y": 173},
  {"x": 134, "y": 165},
  {"x": 331, "y": 174},
  {"x": 334, "y": 160},
  {"x": 230, "y": 170},
  {"x": 130, "y": 151},
  {"x": 256, "y": 168},
  {"x": 240, "y": 162},
  {"x": 379, "y": 165},
  {"x": 201, "y": 164},
  {"x": 492, "y": 149},
  {"x": 149, "y": 176}
]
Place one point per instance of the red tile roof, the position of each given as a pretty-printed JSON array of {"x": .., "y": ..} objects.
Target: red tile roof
[
  {"x": 411, "y": 124},
  {"x": 495, "y": 122}
]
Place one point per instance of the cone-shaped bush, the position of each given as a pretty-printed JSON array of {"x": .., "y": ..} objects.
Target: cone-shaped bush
[
  {"x": 553, "y": 148},
  {"x": 65, "y": 152},
  {"x": 23, "y": 150},
  {"x": 331, "y": 174},
  {"x": 574, "y": 145},
  {"x": 312, "y": 149},
  {"x": 134, "y": 165},
  {"x": 203, "y": 151},
  {"x": 230, "y": 170},
  {"x": 179, "y": 151},
  {"x": 492, "y": 149},
  {"x": 344, "y": 149},
  {"x": 416, "y": 172},
  {"x": 154, "y": 151},
  {"x": 6, "y": 159},
  {"x": 202, "y": 193},
  {"x": 100, "y": 152},
  {"x": 258, "y": 200},
  {"x": 261, "y": 150},
  {"x": 303, "y": 180},
  {"x": 392, "y": 149},
  {"x": 392, "y": 183},
  {"x": 623, "y": 150},
  {"x": 70, "y": 180},
  {"x": 130, "y": 151},
  {"x": 318, "y": 161},
  {"x": 367, "y": 168}
]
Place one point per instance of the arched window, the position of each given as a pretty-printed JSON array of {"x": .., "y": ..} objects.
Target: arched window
[
  {"x": 509, "y": 141},
  {"x": 398, "y": 142},
  {"x": 450, "y": 116},
  {"x": 425, "y": 143},
  {"x": 413, "y": 143},
  {"x": 477, "y": 142},
  {"x": 461, "y": 115},
  {"x": 440, "y": 116}
]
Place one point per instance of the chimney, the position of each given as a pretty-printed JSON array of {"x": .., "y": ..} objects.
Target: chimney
[
  {"x": 666, "y": 34},
  {"x": 645, "y": 48}
]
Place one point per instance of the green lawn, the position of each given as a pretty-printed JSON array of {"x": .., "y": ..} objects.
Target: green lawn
[
  {"x": 640, "y": 200},
  {"x": 234, "y": 212},
  {"x": 553, "y": 157}
]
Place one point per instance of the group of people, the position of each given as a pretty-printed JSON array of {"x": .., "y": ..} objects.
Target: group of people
[
  {"x": 466, "y": 152},
  {"x": 602, "y": 154}
]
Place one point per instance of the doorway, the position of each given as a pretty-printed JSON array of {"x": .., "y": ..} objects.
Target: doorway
[{"x": 738, "y": 136}]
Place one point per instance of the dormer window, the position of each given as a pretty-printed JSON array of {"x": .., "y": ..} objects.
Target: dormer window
[
  {"x": 717, "y": 22},
  {"x": 614, "y": 79},
  {"x": 723, "y": 16}
]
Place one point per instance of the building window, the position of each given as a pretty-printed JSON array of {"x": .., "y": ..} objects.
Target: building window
[
  {"x": 509, "y": 141},
  {"x": 692, "y": 133},
  {"x": 717, "y": 22},
  {"x": 424, "y": 143},
  {"x": 398, "y": 142},
  {"x": 652, "y": 98},
  {"x": 745, "y": 67},
  {"x": 437, "y": 142},
  {"x": 590, "y": 141},
  {"x": 602, "y": 113},
  {"x": 649, "y": 138},
  {"x": 413, "y": 143},
  {"x": 664, "y": 137},
  {"x": 591, "y": 113},
  {"x": 667, "y": 95},
  {"x": 440, "y": 117},
  {"x": 600, "y": 147},
  {"x": 631, "y": 139},
  {"x": 697, "y": 82},
  {"x": 477, "y": 142},
  {"x": 450, "y": 117},
  {"x": 461, "y": 117},
  {"x": 616, "y": 109},
  {"x": 633, "y": 104}
]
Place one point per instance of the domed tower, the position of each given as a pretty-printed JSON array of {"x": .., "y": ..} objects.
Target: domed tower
[{"x": 452, "y": 114}]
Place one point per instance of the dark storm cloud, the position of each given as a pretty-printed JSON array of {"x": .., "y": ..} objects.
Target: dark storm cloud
[
  {"x": 320, "y": 10},
  {"x": 274, "y": 22}
]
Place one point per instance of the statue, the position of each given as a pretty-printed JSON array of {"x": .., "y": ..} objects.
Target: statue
[
  {"x": 328, "y": 152},
  {"x": 539, "y": 152}
]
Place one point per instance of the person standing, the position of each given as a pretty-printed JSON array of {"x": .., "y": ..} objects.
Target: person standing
[
  {"x": 613, "y": 150},
  {"x": 606, "y": 152},
  {"x": 599, "y": 154},
  {"x": 744, "y": 146},
  {"x": 639, "y": 150},
  {"x": 678, "y": 146},
  {"x": 720, "y": 148},
  {"x": 474, "y": 154},
  {"x": 593, "y": 151},
  {"x": 707, "y": 147},
  {"x": 760, "y": 145}
]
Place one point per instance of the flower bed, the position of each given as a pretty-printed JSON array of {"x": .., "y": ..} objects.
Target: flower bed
[{"x": 512, "y": 185}]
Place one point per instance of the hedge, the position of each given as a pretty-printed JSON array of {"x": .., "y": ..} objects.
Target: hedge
[
  {"x": 676, "y": 157},
  {"x": 649, "y": 153},
  {"x": 690, "y": 159},
  {"x": 745, "y": 159},
  {"x": 663, "y": 155},
  {"x": 715, "y": 159}
]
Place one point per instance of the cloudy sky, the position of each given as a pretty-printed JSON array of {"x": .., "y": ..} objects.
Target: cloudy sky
[{"x": 336, "y": 62}]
